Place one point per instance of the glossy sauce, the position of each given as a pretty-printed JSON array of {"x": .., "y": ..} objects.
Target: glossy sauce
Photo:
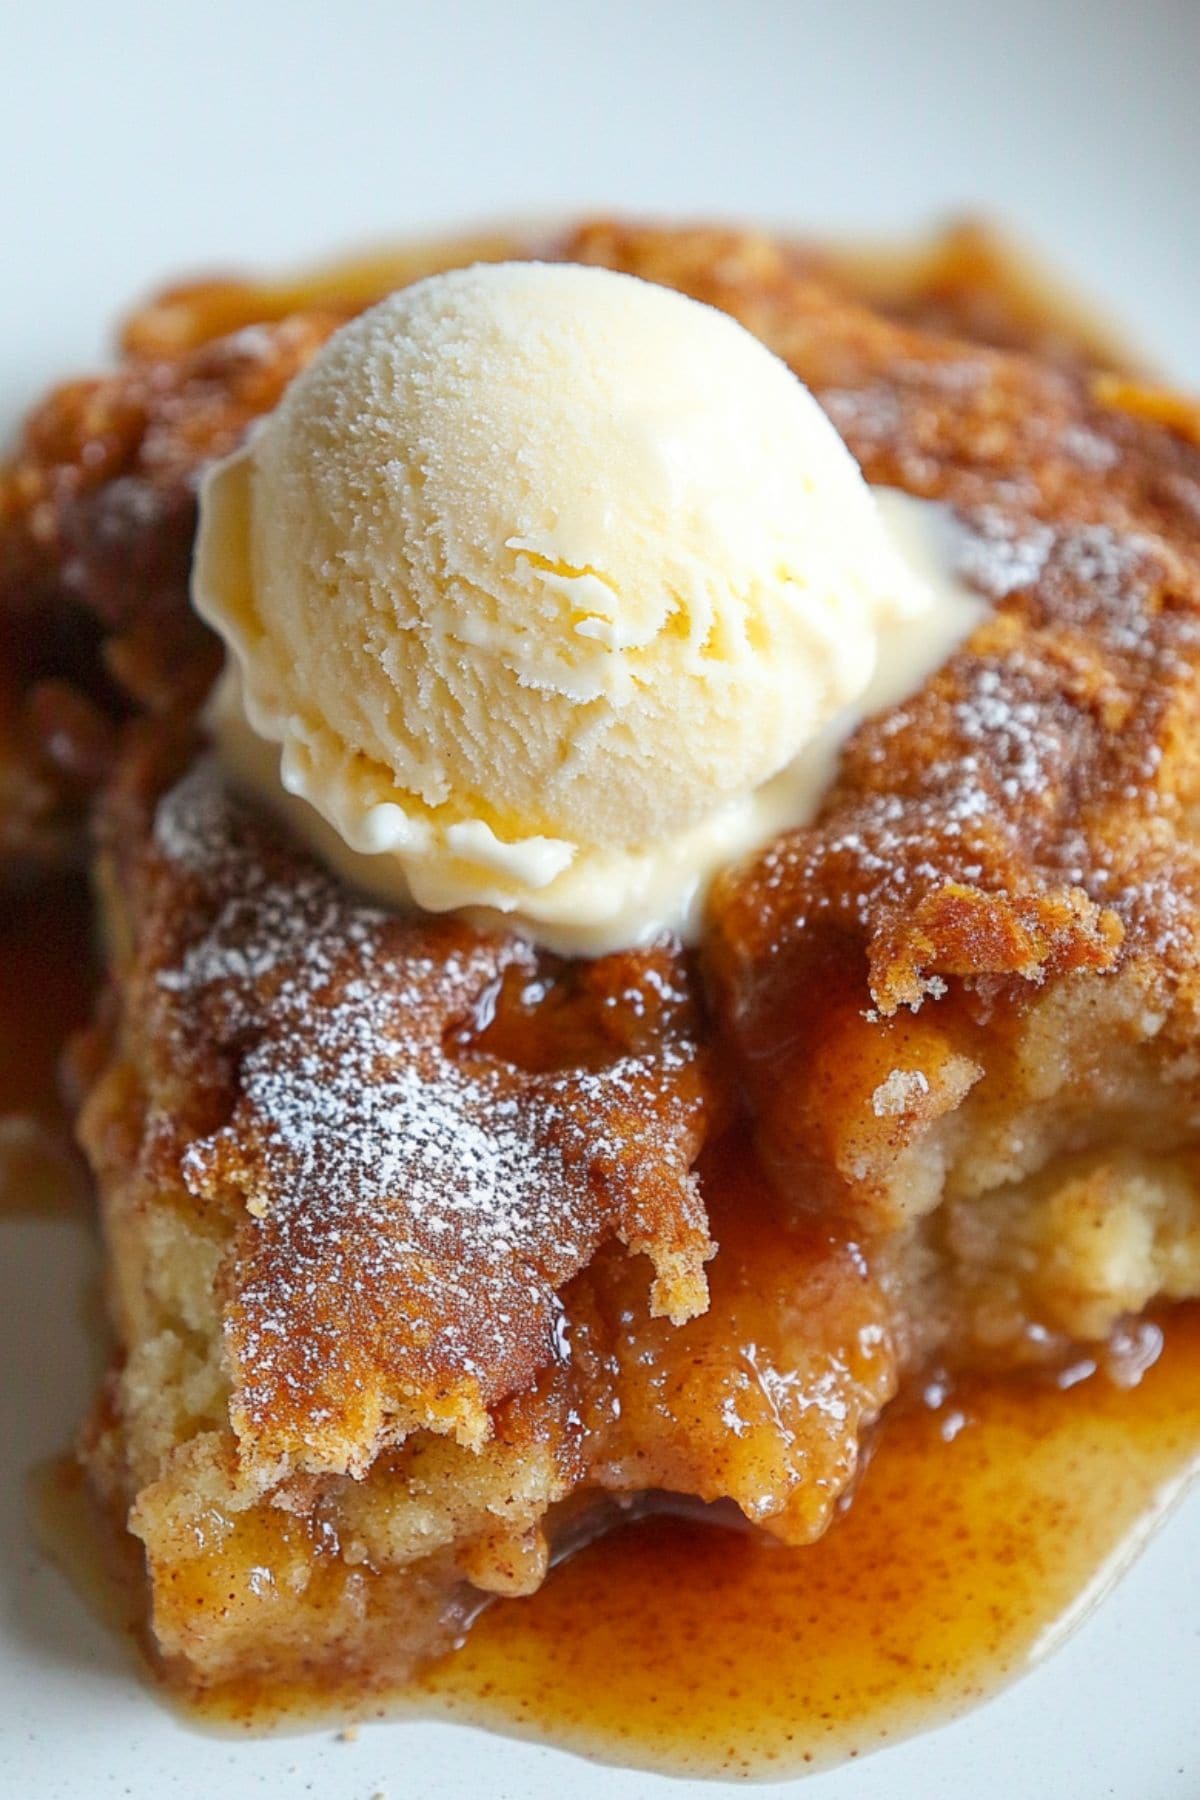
[
  {"x": 46, "y": 985},
  {"x": 977, "y": 1535},
  {"x": 983, "y": 1527}
]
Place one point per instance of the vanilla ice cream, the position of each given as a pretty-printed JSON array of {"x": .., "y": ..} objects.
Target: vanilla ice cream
[{"x": 534, "y": 580}]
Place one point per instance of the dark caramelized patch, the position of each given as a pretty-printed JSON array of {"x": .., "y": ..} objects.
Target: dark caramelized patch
[{"x": 576, "y": 1015}]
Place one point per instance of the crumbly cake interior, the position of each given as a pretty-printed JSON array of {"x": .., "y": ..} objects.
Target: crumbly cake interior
[{"x": 426, "y": 1248}]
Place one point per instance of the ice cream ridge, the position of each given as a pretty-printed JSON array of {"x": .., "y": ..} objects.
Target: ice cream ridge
[{"x": 547, "y": 592}]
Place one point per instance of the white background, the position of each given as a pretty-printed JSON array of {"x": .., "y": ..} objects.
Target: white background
[
  {"x": 137, "y": 142},
  {"x": 140, "y": 140}
]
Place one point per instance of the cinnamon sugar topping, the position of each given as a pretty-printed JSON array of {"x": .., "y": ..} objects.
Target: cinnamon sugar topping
[{"x": 411, "y": 1203}]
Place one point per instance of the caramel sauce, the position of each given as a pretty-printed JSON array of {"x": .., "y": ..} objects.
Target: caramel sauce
[
  {"x": 103, "y": 1564},
  {"x": 978, "y": 1536},
  {"x": 46, "y": 986},
  {"x": 981, "y": 1531}
]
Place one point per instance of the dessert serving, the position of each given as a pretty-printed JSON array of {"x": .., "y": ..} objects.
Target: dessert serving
[{"x": 642, "y": 792}]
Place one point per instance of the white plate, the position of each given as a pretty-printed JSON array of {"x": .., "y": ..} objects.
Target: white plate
[{"x": 142, "y": 140}]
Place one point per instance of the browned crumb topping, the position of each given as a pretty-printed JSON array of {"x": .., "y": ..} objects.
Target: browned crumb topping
[{"x": 409, "y": 1204}]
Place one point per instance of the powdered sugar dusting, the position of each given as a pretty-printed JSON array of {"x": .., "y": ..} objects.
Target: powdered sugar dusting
[
  {"x": 899, "y": 1093},
  {"x": 410, "y": 1211},
  {"x": 987, "y": 801},
  {"x": 1000, "y": 554}
]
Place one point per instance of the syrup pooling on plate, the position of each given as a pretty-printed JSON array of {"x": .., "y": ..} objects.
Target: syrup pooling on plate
[
  {"x": 987, "y": 1513},
  {"x": 45, "y": 992},
  {"x": 972, "y": 1537}
]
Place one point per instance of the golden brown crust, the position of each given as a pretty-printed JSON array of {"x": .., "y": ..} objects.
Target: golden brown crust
[
  {"x": 97, "y": 516},
  {"x": 1028, "y": 815},
  {"x": 407, "y": 1203},
  {"x": 370, "y": 1190},
  {"x": 1023, "y": 820}
]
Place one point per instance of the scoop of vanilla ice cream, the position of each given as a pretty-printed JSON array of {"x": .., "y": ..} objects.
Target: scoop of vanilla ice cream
[{"x": 535, "y": 573}]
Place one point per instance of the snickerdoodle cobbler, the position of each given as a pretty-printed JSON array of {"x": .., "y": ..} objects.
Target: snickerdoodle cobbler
[{"x": 419, "y": 1235}]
